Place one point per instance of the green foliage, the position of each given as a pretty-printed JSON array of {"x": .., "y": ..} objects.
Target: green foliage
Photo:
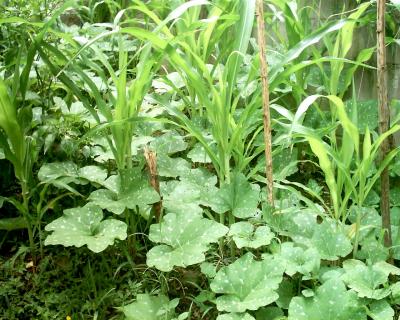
[
  {"x": 185, "y": 239},
  {"x": 239, "y": 197},
  {"x": 130, "y": 189},
  {"x": 85, "y": 226},
  {"x": 247, "y": 284},
  {"x": 331, "y": 301},
  {"x": 246, "y": 235},
  {"x": 369, "y": 281},
  {"x": 150, "y": 308},
  {"x": 89, "y": 89}
]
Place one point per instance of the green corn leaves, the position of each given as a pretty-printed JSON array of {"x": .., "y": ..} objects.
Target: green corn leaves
[{"x": 15, "y": 150}]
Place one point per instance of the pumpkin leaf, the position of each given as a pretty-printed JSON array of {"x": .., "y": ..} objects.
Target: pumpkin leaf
[
  {"x": 247, "y": 284},
  {"x": 246, "y": 235},
  {"x": 240, "y": 197},
  {"x": 331, "y": 241},
  {"x": 368, "y": 280},
  {"x": 128, "y": 190},
  {"x": 184, "y": 237},
  {"x": 331, "y": 302},
  {"x": 147, "y": 307},
  {"x": 299, "y": 260},
  {"x": 235, "y": 316},
  {"x": 85, "y": 226},
  {"x": 196, "y": 187},
  {"x": 198, "y": 154},
  {"x": 59, "y": 173},
  {"x": 381, "y": 310}
]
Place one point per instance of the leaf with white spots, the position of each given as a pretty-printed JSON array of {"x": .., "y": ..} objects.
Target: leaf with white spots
[
  {"x": 171, "y": 167},
  {"x": 93, "y": 174},
  {"x": 297, "y": 259},
  {"x": 169, "y": 143},
  {"x": 185, "y": 238},
  {"x": 196, "y": 187},
  {"x": 198, "y": 154},
  {"x": 331, "y": 302},
  {"x": 148, "y": 307},
  {"x": 85, "y": 226},
  {"x": 129, "y": 190},
  {"x": 246, "y": 235},
  {"x": 61, "y": 174},
  {"x": 381, "y": 310},
  {"x": 240, "y": 197},
  {"x": 330, "y": 240},
  {"x": 235, "y": 316},
  {"x": 369, "y": 281},
  {"x": 65, "y": 172},
  {"x": 247, "y": 284}
]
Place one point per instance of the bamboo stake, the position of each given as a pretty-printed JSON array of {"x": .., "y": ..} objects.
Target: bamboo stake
[
  {"x": 151, "y": 160},
  {"x": 265, "y": 99},
  {"x": 383, "y": 119}
]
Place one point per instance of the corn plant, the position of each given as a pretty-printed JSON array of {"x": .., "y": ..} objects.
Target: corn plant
[
  {"x": 346, "y": 166},
  {"x": 19, "y": 147}
]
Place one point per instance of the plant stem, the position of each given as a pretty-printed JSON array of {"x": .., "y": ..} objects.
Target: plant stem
[
  {"x": 265, "y": 96},
  {"x": 25, "y": 213},
  {"x": 383, "y": 120}
]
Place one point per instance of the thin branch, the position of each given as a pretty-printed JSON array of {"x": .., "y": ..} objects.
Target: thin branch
[
  {"x": 265, "y": 99},
  {"x": 383, "y": 119}
]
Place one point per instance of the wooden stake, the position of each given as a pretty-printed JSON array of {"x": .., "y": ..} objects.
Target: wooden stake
[
  {"x": 151, "y": 160},
  {"x": 383, "y": 119},
  {"x": 265, "y": 99}
]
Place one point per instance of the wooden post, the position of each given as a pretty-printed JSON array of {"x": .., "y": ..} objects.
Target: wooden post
[
  {"x": 383, "y": 119},
  {"x": 265, "y": 99},
  {"x": 151, "y": 160}
]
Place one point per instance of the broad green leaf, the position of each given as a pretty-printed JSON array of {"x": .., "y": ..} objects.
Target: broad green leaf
[
  {"x": 247, "y": 284},
  {"x": 185, "y": 238},
  {"x": 129, "y": 190},
  {"x": 240, "y": 197},
  {"x": 147, "y": 307},
  {"x": 198, "y": 154},
  {"x": 169, "y": 143},
  {"x": 270, "y": 313},
  {"x": 395, "y": 288},
  {"x": 367, "y": 112},
  {"x": 373, "y": 250},
  {"x": 331, "y": 302},
  {"x": 172, "y": 167},
  {"x": 235, "y": 316},
  {"x": 85, "y": 226},
  {"x": 61, "y": 173},
  {"x": 368, "y": 280},
  {"x": 247, "y": 235},
  {"x": 381, "y": 310},
  {"x": 330, "y": 240},
  {"x": 297, "y": 259},
  {"x": 208, "y": 269},
  {"x": 50, "y": 172},
  {"x": 93, "y": 174},
  {"x": 196, "y": 187}
]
